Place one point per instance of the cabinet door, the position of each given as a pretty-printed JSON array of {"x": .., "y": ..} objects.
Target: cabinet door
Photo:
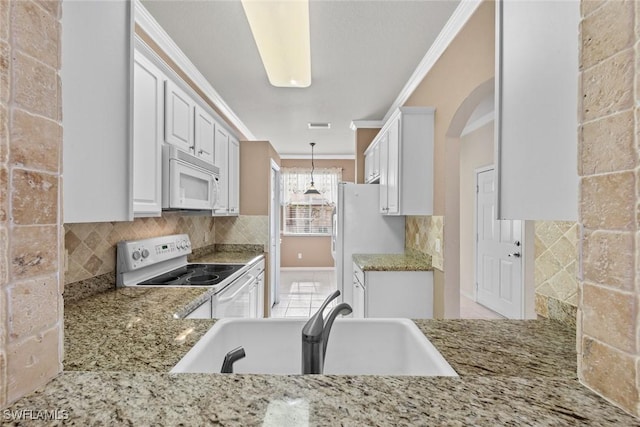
[
  {"x": 368, "y": 167},
  {"x": 204, "y": 137},
  {"x": 536, "y": 120},
  {"x": 376, "y": 162},
  {"x": 384, "y": 206},
  {"x": 179, "y": 109},
  {"x": 97, "y": 62},
  {"x": 260, "y": 280},
  {"x": 393, "y": 168},
  {"x": 221, "y": 159},
  {"x": 147, "y": 137},
  {"x": 253, "y": 300},
  {"x": 234, "y": 175}
]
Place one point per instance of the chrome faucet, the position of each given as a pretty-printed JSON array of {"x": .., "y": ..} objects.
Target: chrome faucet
[{"x": 315, "y": 335}]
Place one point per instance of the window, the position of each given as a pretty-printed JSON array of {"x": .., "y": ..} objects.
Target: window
[{"x": 309, "y": 214}]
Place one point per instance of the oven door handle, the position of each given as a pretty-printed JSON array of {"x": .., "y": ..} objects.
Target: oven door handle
[{"x": 244, "y": 285}]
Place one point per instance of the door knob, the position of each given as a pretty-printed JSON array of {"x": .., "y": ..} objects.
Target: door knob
[{"x": 515, "y": 255}]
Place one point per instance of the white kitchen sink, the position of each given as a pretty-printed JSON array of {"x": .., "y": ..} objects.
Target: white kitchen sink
[{"x": 355, "y": 347}]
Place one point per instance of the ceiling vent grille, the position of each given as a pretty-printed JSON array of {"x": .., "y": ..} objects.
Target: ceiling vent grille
[{"x": 312, "y": 125}]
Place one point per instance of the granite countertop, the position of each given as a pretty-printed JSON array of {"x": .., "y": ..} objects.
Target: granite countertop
[
  {"x": 408, "y": 261},
  {"x": 116, "y": 373}
]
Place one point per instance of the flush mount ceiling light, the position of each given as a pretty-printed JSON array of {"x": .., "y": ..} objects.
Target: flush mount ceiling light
[
  {"x": 281, "y": 31},
  {"x": 312, "y": 188}
]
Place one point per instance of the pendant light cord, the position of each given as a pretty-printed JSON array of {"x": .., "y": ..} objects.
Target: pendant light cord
[{"x": 312, "y": 166}]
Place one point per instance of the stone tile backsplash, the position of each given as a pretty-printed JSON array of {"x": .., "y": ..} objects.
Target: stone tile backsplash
[
  {"x": 556, "y": 263},
  {"x": 422, "y": 232},
  {"x": 243, "y": 229},
  {"x": 91, "y": 247}
]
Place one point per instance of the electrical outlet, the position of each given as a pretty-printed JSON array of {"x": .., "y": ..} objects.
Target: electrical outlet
[
  {"x": 417, "y": 238},
  {"x": 438, "y": 245},
  {"x": 299, "y": 255},
  {"x": 66, "y": 260},
  {"x": 206, "y": 236}
]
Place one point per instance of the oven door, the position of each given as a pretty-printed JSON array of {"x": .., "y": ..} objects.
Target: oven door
[
  {"x": 235, "y": 299},
  {"x": 191, "y": 187}
]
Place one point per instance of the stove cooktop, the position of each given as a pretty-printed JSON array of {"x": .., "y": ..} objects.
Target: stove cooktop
[{"x": 194, "y": 275}]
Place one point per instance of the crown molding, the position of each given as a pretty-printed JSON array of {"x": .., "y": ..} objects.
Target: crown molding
[
  {"x": 366, "y": 124},
  {"x": 150, "y": 26},
  {"x": 456, "y": 22}
]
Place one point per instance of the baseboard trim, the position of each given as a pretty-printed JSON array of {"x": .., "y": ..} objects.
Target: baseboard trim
[{"x": 306, "y": 268}]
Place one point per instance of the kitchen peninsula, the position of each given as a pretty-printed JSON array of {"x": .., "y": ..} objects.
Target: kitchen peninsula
[{"x": 120, "y": 345}]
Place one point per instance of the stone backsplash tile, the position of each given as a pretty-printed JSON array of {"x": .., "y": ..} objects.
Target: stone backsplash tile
[
  {"x": 606, "y": 314},
  {"x": 608, "y": 144},
  {"x": 35, "y": 86},
  {"x": 91, "y": 247},
  {"x": 243, "y": 229},
  {"x": 608, "y": 201},
  {"x": 556, "y": 257},
  {"x": 608, "y": 30},
  {"x": 35, "y": 197},
  {"x": 35, "y": 142},
  {"x": 608, "y": 258},
  {"x": 34, "y": 251},
  {"x": 610, "y": 372},
  {"x": 608, "y": 86},
  {"x": 36, "y": 32},
  {"x": 421, "y": 233},
  {"x": 31, "y": 308},
  {"x": 32, "y": 361}
]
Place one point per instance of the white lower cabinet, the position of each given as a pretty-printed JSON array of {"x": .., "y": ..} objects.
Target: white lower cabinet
[
  {"x": 406, "y": 294},
  {"x": 203, "y": 311}
]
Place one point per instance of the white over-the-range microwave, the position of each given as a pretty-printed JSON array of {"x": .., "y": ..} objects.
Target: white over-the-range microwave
[{"x": 187, "y": 181}]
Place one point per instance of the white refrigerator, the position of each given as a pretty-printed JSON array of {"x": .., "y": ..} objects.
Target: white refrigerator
[{"x": 360, "y": 228}]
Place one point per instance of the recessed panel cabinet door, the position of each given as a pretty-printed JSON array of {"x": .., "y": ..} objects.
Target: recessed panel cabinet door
[
  {"x": 204, "y": 134},
  {"x": 393, "y": 168},
  {"x": 147, "y": 137},
  {"x": 234, "y": 176},
  {"x": 537, "y": 109},
  {"x": 221, "y": 159},
  {"x": 179, "y": 110}
]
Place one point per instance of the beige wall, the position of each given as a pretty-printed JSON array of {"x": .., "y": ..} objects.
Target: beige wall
[
  {"x": 315, "y": 250},
  {"x": 364, "y": 137},
  {"x": 476, "y": 150},
  {"x": 608, "y": 301},
  {"x": 31, "y": 283},
  {"x": 467, "y": 64},
  {"x": 255, "y": 170}
]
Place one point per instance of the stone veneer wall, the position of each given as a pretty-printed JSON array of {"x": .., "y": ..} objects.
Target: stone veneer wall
[
  {"x": 91, "y": 247},
  {"x": 31, "y": 284},
  {"x": 556, "y": 270},
  {"x": 421, "y": 233},
  {"x": 608, "y": 340}
]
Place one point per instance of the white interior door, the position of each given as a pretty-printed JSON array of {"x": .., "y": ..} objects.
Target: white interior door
[
  {"x": 274, "y": 235},
  {"x": 499, "y": 281}
]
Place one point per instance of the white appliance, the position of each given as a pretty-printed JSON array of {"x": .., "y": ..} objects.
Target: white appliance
[
  {"x": 187, "y": 181},
  {"x": 162, "y": 262},
  {"x": 361, "y": 229}
]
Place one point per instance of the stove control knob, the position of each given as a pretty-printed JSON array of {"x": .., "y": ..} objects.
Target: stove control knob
[
  {"x": 136, "y": 255},
  {"x": 188, "y": 244},
  {"x": 184, "y": 244},
  {"x": 145, "y": 253}
]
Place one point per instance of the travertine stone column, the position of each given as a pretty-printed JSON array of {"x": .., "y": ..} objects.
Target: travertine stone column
[
  {"x": 30, "y": 193},
  {"x": 608, "y": 342}
]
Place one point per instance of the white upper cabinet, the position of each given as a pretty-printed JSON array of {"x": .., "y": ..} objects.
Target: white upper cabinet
[
  {"x": 234, "y": 176},
  {"x": 227, "y": 158},
  {"x": 372, "y": 164},
  {"x": 205, "y": 134},
  {"x": 406, "y": 162},
  {"x": 148, "y": 123},
  {"x": 221, "y": 159},
  {"x": 537, "y": 109},
  {"x": 96, "y": 75},
  {"x": 179, "y": 113}
]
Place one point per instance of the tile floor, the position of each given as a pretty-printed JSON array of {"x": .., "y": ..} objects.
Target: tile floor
[{"x": 303, "y": 291}]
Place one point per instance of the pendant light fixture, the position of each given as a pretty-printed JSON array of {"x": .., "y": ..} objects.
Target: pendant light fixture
[{"x": 312, "y": 188}]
